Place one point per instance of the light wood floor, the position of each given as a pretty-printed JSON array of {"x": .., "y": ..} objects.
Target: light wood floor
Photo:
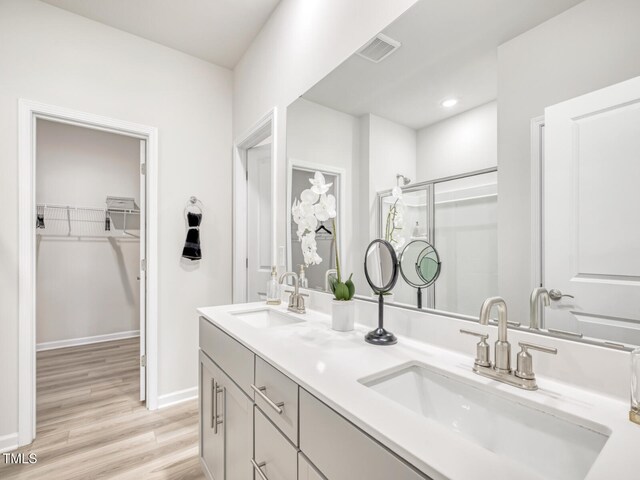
[{"x": 91, "y": 425}]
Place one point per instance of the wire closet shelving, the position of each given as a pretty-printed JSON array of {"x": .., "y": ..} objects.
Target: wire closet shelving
[{"x": 120, "y": 218}]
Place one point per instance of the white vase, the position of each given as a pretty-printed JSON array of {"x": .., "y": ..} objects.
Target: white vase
[{"x": 343, "y": 315}]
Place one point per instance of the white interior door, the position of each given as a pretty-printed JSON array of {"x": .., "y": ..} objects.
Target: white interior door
[
  {"x": 258, "y": 221},
  {"x": 592, "y": 213},
  {"x": 143, "y": 274}
]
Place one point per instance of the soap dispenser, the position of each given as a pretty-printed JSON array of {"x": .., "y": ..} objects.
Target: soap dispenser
[
  {"x": 634, "y": 413},
  {"x": 273, "y": 288},
  {"x": 302, "y": 278}
]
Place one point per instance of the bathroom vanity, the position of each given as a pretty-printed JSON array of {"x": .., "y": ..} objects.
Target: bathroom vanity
[{"x": 284, "y": 397}]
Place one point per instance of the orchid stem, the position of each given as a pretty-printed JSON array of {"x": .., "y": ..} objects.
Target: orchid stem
[{"x": 335, "y": 246}]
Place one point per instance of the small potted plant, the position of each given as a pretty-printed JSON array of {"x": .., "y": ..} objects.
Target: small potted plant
[
  {"x": 315, "y": 206},
  {"x": 342, "y": 306}
]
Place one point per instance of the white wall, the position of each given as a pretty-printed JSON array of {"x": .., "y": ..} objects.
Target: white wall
[
  {"x": 321, "y": 135},
  {"x": 302, "y": 41},
  {"x": 459, "y": 144},
  {"x": 86, "y": 286},
  {"x": 590, "y": 46},
  {"x": 52, "y": 56},
  {"x": 392, "y": 150}
]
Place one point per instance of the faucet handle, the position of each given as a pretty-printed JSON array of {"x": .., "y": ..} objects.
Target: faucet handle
[
  {"x": 482, "y": 348},
  {"x": 525, "y": 361}
]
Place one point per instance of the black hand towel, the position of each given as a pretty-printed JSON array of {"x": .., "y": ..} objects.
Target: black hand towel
[{"x": 191, "y": 248}]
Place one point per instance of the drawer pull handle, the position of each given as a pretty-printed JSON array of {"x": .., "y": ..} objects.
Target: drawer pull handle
[
  {"x": 258, "y": 468},
  {"x": 215, "y": 390},
  {"x": 276, "y": 406}
]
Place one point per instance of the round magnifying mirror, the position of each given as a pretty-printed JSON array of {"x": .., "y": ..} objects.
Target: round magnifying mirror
[
  {"x": 428, "y": 265},
  {"x": 381, "y": 270},
  {"x": 381, "y": 266},
  {"x": 411, "y": 267}
]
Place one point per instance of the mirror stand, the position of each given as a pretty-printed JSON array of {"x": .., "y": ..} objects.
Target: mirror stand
[{"x": 380, "y": 336}]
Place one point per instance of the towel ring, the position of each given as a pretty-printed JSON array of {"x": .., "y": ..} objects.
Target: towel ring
[{"x": 194, "y": 206}]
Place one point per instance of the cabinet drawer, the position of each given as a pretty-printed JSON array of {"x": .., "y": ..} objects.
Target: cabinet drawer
[
  {"x": 306, "y": 471},
  {"x": 342, "y": 451},
  {"x": 236, "y": 360},
  {"x": 277, "y": 396},
  {"x": 274, "y": 456}
]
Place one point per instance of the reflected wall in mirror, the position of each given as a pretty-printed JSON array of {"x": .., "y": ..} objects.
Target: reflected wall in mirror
[{"x": 477, "y": 111}]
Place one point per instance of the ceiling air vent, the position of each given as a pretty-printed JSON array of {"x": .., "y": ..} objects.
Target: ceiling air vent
[{"x": 379, "y": 48}]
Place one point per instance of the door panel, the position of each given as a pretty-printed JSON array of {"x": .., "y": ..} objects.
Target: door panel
[
  {"x": 211, "y": 405},
  {"x": 259, "y": 246},
  {"x": 592, "y": 207}
]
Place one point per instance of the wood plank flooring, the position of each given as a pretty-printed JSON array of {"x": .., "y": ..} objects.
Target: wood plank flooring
[{"x": 91, "y": 425}]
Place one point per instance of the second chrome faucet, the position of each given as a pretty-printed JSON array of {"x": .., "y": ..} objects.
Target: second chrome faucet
[{"x": 500, "y": 369}]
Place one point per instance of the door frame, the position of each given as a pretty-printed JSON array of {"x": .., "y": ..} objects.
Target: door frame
[
  {"x": 266, "y": 127},
  {"x": 28, "y": 112},
  {"x": 537, "y": 202}
]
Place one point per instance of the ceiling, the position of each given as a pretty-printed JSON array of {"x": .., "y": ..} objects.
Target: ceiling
[
  {"x": 449, "y": 49},
  {"x": 218, "y": 31}
]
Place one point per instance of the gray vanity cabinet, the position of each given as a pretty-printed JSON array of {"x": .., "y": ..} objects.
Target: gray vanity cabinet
[{"x": 258, "y": 424}]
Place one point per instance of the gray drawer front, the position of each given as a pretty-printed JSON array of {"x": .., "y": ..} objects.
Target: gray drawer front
[
  {"x": 271, "y": 447},
  {"x": 279, "y": 389},
  {"x": 341, "y": 451},
  {"x": 231, "y": 356}
]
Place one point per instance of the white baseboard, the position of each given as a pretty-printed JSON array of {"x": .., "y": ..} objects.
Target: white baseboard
[
  {"x": 180, "y": 396},
  {"x": 8, "y": 442},
  {"x": 74, "y": 342}
]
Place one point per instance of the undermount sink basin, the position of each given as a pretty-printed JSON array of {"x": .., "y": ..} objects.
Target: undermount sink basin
[
  {"x": 266, "y": 317},
  {"x": 542, "y": 442}
]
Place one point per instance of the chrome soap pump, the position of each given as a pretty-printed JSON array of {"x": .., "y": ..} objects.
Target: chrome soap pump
[
  {"x": 273, "y": 288},
  {"x": 302, "y": 278}
]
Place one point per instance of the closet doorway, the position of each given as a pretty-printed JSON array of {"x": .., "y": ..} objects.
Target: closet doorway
[{"x": 87, "y": 295}]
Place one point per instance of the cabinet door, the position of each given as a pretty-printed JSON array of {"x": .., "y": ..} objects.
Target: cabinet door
[
  {"x": 238, "y": 430},
  {"x": 211, "y": 430}
]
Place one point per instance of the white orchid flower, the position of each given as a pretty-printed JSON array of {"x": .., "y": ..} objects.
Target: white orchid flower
[
  {"x": 318, "y": 184},
  {"x": 310, "y": 249},
  {"x": 396, "y": 192},
  {"x": 309, "y": 196},
  {"x": 325, "y": 208}
]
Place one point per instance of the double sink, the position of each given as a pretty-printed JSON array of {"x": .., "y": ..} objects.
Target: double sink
[{"x": 542, "y": 440}]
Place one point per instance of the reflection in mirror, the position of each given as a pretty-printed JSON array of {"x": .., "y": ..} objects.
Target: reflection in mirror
[
  {"x": 300, "y": 175},
  {"x": 380, "y": 267},
  {"x": 419, "y": 266},
  {"x": 466, "y": 108},
  {"x": 381, "y": 271}
]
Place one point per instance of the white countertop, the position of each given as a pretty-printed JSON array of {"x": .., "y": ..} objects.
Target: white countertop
[{"x": 329, "y": 364}]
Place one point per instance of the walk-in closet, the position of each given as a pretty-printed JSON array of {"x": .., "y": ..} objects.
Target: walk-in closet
[{"x": 89, "y": 285}]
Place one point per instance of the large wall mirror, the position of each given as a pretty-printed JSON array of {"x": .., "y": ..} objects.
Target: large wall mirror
[{"x": 505, "y": 134}]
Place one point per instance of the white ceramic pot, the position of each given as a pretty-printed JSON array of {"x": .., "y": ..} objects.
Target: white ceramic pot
[{"x": 343, "y": 313}]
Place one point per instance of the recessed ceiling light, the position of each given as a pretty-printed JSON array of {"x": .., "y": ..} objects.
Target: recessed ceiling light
[{"x": 449, "y": 102}]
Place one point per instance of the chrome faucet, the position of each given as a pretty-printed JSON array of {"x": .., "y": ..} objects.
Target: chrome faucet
[
  {"x": 535, "y": 318},
  {"x": 523, "y": 376},
  {"x": 327, "y": 275},
  {"x": 502, "y": 347},
  {"x": 296, "y": 300}
]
